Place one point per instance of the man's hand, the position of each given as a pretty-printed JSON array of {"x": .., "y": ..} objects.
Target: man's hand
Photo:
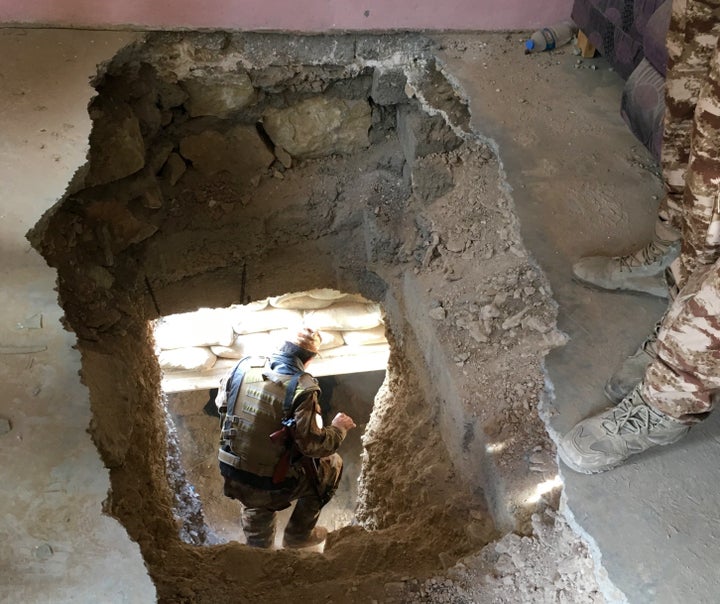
[{"x": 344, "y": 422}]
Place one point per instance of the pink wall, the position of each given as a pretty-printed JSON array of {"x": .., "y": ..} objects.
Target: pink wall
[{"x": 292, "y": 15}]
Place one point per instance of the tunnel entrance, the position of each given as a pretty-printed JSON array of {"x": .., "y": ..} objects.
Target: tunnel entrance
[
  {"x": 225, "y": 168},
  {"x": 196, "y": 350}
]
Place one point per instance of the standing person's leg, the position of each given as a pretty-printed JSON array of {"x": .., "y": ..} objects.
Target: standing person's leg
[
  {"x": 678, "y": 389},
  {"x": 684, "y": 378},
  {"x": 693, "y": 32},
  {"x": 258, "y": 526},
  {"x": 301, "y": 530},
  {"x": 701, "y": 200}
]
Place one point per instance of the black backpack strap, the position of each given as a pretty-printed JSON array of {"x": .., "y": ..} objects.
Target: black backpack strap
[
  {"x": 232, "y": 387},
  {"x": 290, "y": 388}
]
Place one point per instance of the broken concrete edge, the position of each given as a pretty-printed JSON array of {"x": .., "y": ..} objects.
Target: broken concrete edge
[{"x": 611, "y": 593}]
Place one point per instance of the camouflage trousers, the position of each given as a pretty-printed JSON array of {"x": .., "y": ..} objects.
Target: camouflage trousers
[
  {"x": 684, "y": 380},
  {"x": 691, "y": 40},
  {"x": 260, "y": 506}
]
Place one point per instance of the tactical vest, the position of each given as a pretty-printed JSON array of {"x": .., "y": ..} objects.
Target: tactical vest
[{"x": 261, "y": 404}]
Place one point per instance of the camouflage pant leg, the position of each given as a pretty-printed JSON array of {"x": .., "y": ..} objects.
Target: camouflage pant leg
[
  {"x": 308, "y": 506},
  {"x": 691, "y": 39},
  {"x": 701, "y": 218},
  {"x": 685, "y": 377},
  {"x": 260, "y": 506},
  {"x": 259, "y": 509}
]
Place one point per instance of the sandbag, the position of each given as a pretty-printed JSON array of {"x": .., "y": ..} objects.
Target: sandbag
[
  {"x": 365, "y": 337},
  {"x": 251, "y": 344},
  {"x": 251, "y": 306},
  {"x": 342, "y": 351},
  {"x": 299, "y": 301},
  {"x": 344, "y": 317},
  {"x": 204, "y": 327},
  {"x": 244, "y": 321},
  {"x": 330, "y": 339},
  {"x": 326, "y": 294},
  {"x": 193, "y": 358}
]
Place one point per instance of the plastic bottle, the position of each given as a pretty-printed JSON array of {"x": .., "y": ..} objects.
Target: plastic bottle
[{"x": 551, "y": 37}]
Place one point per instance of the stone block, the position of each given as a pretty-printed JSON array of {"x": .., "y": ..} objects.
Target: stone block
[
  {"x": 240, "y": 152},
  {"x": 173, "y": 169},
  {"x": 116, "y": 143},
  {"x": 219, "y": 95},
  {"x": 431, "y": 178},
  {"x": 320, "y": 126},
  {"x": 421, "y": 134},
  {"x": 388, "y": 86}
]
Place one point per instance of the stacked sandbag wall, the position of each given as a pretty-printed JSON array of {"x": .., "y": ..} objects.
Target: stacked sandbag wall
[{"x": 210, "y": 341}]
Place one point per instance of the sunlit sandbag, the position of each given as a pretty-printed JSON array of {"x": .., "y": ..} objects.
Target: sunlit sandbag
[
  {"x": 187, "y": 359},
  {"x": 299, "y": 301},
  {"x": 344, "y": 317},
  {"x": 330, "y": 339},
  {"x": 264, "y": 320},
  {"x": 364, "y": 337},
  {"x": 251, "y": 344},
  {"x": 204, "y": 327}
]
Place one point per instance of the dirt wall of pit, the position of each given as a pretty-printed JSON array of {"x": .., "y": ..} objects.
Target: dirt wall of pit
[{"x": 198, "y": 193}]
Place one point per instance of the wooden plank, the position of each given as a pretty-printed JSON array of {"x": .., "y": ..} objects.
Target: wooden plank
[{"x": 587, "y": 50}]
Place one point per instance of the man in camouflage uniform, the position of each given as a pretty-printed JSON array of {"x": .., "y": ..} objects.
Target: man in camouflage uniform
[
  {"x": 679, "y": 375},
  {"x": 250, "y": 460}
]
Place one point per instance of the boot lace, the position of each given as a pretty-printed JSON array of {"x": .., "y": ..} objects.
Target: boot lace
[
  {"x": 649, "y": 254},
  {"x": 632, "y": 416}
]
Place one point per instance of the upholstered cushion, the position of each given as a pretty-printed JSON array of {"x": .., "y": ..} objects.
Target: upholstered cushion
[
  {"x": 643, "y": 105},
  {"x": 654, "y": 37},
  {"x": 616, "y": 28}
]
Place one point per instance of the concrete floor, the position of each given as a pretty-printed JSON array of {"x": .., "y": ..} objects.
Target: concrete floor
[
  {"x": 582, "y": 185},
  {"x": 578, "y": 179},
  {"x": 55, "y": 543}
]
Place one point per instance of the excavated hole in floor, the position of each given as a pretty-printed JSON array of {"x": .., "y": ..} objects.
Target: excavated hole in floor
[{"x": 225, "y": 168}]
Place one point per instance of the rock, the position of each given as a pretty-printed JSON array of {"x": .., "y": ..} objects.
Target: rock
[
  {"x": 283, "y": 157},
  {"x": 489, "y": 311},
  {"x": 173, "y": 169},
  {"x": 43, "y": 552},
  {"x": 514, "y": 320},
  {"x": 102, "y": 277},
  {"x": 149, "y": 114},
  {"x": 118, "y": 224},
  {"x": 320, "y": 126},
  {"x": 500, "y": 299},
  {"x": 152, "y": 198},
  {"x": 537, "y": 324},
  {"x": 388, "y": 86},
  {"x": 477, "y": 332},
  {"x": 240, "y": 152},
  {"x": 421, "y": 134},
  {"x": 431, "y": 178},
  {"x": 5, "y": 426},
  {"x": 438, "y": 313},
  {"x": 220, "y": 96},
  {"x": 116, "y": 143},
  {"x": 158, "y": 155},
  {"x": 455, "y": 244},
  {"x": 170, "y": 95}
]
